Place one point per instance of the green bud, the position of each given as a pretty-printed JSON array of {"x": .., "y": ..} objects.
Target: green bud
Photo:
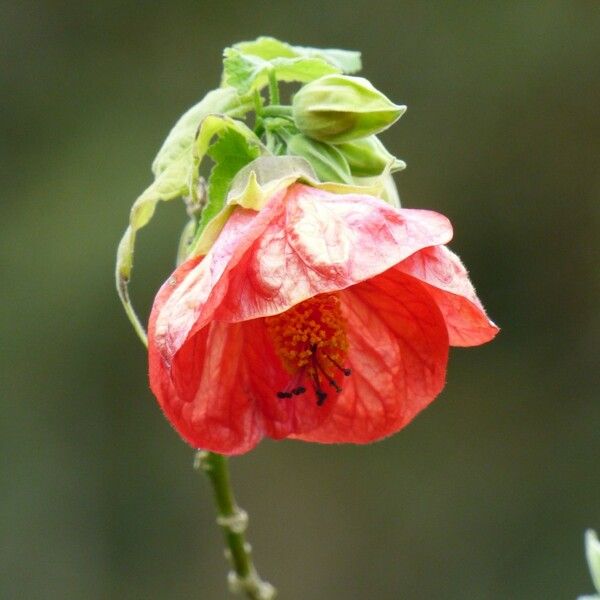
[
  {"x": 340, "y": 108},
  {"x": 327, "y": 161},
  {"x": 368, "y": 157}
]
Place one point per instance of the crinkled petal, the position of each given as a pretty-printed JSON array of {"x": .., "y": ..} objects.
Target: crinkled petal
[
  {"x": 218, "y": 389},
  {"x": 398, "y": 351},
  {"x": 200, "y": 386},
  {"x": 304, "y": 242},
  {"x": 448, "y": 282}
]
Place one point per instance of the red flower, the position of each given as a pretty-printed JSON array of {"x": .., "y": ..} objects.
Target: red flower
[{"x": 322, "y": 317}]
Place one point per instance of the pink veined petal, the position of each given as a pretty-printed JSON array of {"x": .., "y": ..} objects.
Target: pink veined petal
[
  {"x": 398, "y": 351},
  {"x": 212, "y": 364},
  {"x": 218, "y": 389},
  {"x": 195, "y": 384},
  {"x": 300, "y": 244},
  {"x": 201, "y": 394},
  {"x": 316, "y": 242},
  {"x": 448, "y": 283}
]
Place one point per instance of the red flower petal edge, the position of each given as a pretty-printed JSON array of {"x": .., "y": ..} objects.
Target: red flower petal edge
[{"x": 322, "y": 317}]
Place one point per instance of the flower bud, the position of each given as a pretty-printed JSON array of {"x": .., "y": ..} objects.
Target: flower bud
[
  {"x": 340, "y": 108},
  {"x": 368, "y": 157},
  {"x": 327, "y": 161}
]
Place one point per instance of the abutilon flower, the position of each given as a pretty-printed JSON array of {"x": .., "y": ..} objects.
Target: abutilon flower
[{"x": 321, "y": 317}]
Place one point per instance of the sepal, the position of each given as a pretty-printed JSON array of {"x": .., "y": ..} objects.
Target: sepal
[
  {"x": 368, "y": 157},
  {"x": 386, "y": 182},
  {"x": 328, "y": 162}
]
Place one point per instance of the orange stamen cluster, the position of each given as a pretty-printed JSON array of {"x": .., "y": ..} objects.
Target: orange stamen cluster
[{"x": 310, "y": 339}]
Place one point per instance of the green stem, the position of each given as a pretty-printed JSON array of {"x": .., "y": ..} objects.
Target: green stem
[
  {"x": 273, "y": 87},
  {"x": 244, "y": 578},
  {"x": 277, "y": 110}
]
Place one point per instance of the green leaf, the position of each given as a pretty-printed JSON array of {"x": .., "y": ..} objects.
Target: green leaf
[
  {"x": 237, "y": 146},
  {"x": 177, "y": 176},
  {"x": 230, "y": 153},
  {"x": 242, "y": 72},
  {"x": 269, "y": 48},
  {"x": 178, "y": 144},
  {"x": 217, "y": 125},
  {"x": 302, "y": 69},
  {"x": 247, "y": 73}
]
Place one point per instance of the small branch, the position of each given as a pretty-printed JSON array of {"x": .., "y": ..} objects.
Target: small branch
[
  {"x": 123, "y": 291},
  {"x": 244, "y": 578},
  {"x": 273, "y": 87},
  {"x": 277, "y": 110}
]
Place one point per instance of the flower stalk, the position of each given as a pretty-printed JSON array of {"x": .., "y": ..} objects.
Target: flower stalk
[{"x": 243, "y": 579}]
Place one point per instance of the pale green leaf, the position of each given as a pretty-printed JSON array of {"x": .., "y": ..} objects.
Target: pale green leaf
[
  {"x": 302, "y": 69},
  {"x": 179, "y": 177},
  {"x": 168, "y": 185},
  {"x": 345, "y": 61},
  {"x": 248, "y": 72},
  {"x": 267, "y": 47},
  {"x": 178, "y": 144},
  {"x": 243, "y": 72}
]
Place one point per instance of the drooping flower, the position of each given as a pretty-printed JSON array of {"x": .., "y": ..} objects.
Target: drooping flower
[{"x": 322, "y": 317}]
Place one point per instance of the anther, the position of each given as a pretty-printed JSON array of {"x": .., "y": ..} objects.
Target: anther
[
  {"x": 319, "y": 368},
  {"x": 299, "y": 390},
  {"x": 345, "y": 370},
  {"x": 284, "y": 395},
  {"x": 321, "y": 395}
]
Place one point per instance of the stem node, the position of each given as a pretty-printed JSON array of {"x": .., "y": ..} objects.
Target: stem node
[{"x": 243, "y": 578}]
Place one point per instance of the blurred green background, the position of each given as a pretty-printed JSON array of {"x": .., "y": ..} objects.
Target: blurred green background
[{"x": 486, "y": 494}]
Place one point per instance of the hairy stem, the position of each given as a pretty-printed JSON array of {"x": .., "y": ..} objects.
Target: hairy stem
[{"x": 243, "y": 579}]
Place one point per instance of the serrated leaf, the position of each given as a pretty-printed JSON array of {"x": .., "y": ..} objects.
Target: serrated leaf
[
  {"x": 178, "y": 144},
  {"x": 269, "y": 48},
  {"x": 243, "y": 72},
  {"x": 247, "y": 72},
  {"x": 230, "y": 153},
  {"x": 237, "y": 146},
  {"x": 217, "y": 125}
]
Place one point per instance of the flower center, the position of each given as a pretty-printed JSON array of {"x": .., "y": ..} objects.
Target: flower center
[{"x": 310, "y": 339}]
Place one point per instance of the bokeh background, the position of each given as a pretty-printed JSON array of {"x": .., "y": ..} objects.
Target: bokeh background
[{"x": 486, "y": 494}]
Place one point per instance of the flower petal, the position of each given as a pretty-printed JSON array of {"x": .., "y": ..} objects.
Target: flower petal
[
  {"x": 218, "y": 389},
  {"x": 398, "y": 351},
  {"x": 198, "y": 385},
  {"x": 448, "y": 282}
]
